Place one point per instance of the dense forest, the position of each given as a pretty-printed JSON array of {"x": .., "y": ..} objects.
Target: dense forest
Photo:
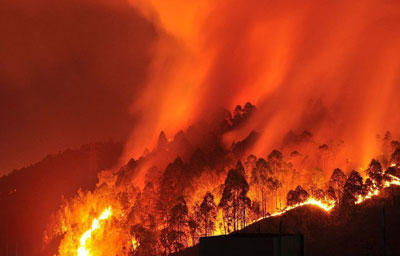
[{"x": 193, "y": 185}]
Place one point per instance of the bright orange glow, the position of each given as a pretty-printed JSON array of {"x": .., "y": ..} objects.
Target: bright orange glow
[
  {"x": 279, "y": 56},
  {"x": 84, "y": 249},
  {"x": 322, "y": 77},
  {"x": 135, "y": 243},
  {"x": 374, "y": 190},
  {"x": 89, "y": 247},
  {"x": 326, "y": 206}
]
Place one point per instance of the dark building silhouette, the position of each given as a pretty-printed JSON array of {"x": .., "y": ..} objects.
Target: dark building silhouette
[{"x": 252, "y": 244}]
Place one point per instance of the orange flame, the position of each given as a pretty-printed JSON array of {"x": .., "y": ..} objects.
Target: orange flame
[
  {"x": 135, "y": 243},
  {"x": 374, "y": 190},
  {"x": 83, "y": 249},
  {"x": 326, "y": 206},
  {"x": 330, "y": 204}
]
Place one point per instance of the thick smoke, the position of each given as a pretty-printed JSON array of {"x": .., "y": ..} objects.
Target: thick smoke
[{"x": 329, "y": 67}]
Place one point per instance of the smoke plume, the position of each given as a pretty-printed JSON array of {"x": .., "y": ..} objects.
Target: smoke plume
[{"x": 329, "y": 67}]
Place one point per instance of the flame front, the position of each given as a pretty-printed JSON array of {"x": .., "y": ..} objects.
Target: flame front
[
  {"x": 326, "y": 206},
  {"x": 83, "y": 249},
  {"x": 375, "y": 190},
  {"x": 149, "y": 221}
]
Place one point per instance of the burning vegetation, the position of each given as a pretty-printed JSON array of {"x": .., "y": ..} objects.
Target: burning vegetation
[
  {"x": 193, "y": 185},
  {"x": 323, "y": 74}
]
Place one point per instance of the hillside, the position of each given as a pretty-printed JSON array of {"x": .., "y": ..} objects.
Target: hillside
[
  {"x": 358, "y": 230},
  {"x": 30, "y": 195},
  {"x": 192, "y": 184}
]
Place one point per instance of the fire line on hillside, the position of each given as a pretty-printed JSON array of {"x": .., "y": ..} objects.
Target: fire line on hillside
[
  {"x": 208, "y": 191},
  {"x": 171, "y": 122}
]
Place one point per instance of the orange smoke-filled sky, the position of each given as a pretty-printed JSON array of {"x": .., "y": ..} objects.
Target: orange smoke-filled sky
[
  {"x": 279, "y": 55},
  {"x": 77, "y": 71}
]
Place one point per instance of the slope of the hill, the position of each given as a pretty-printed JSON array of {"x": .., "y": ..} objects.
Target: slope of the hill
[
  {"x": 30, "y": 195},
  {"x": 370, "y": 228}
]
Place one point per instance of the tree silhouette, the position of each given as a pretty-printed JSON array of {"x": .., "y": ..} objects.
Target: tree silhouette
[
  {"x": 207, "y": 214},
  {"x": 273, "y": 185},
  {"x": 375, "y": 173},
  {"x": 179, "y": 214},
  {"x": 352, "y": 188},
  {"x": 337, "y": 182},
  {"x": 259, "y": 179},
  {"x": 299, "y": 195},
  {"x": 234, "y": 200},
  {"x": 162, "y": 141}
]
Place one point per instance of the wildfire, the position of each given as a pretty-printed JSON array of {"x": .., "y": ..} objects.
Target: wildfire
[
  {"x": 329, "y": 205},
  {"x": 83, "y": 250},
  {"x": 394, "y": 181},
  {"x": 207, "y": 202},
  {"x": 135, "y": 243},
  {"x": 375, "y": 190},
  {"x": 326, "y": 206}
]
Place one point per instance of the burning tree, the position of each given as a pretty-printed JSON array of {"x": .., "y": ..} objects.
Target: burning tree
[
  {"x": 234, "y": 200},
  {"x": 275, "y": 160},
  {"x": 203, "y": 193},
  {"x": 173, "y": 237},
  {"x": 352, "y": 188},
  {"x": 250, "y": 164},
  {"x": 273, "y": 185},
  {"x": 207, "y": 214},
  {"x": 337, "y": 183},
  {"x": 297, "y": 196},
  {"x": 317, "y": 180},
  {"x": 375, "y": 173},
  {"x": 260, "y": 175},
  {"x": 145, "y": 240},
  {"x": 330, "y": 195}
]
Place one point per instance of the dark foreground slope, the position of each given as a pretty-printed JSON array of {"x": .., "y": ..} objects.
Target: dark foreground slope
[
  {"x": 365, "y": 229},
  {"x": 30, "y": 195}
]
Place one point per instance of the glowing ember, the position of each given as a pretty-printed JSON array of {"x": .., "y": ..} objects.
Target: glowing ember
[{"x": 83, "y": 250}]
